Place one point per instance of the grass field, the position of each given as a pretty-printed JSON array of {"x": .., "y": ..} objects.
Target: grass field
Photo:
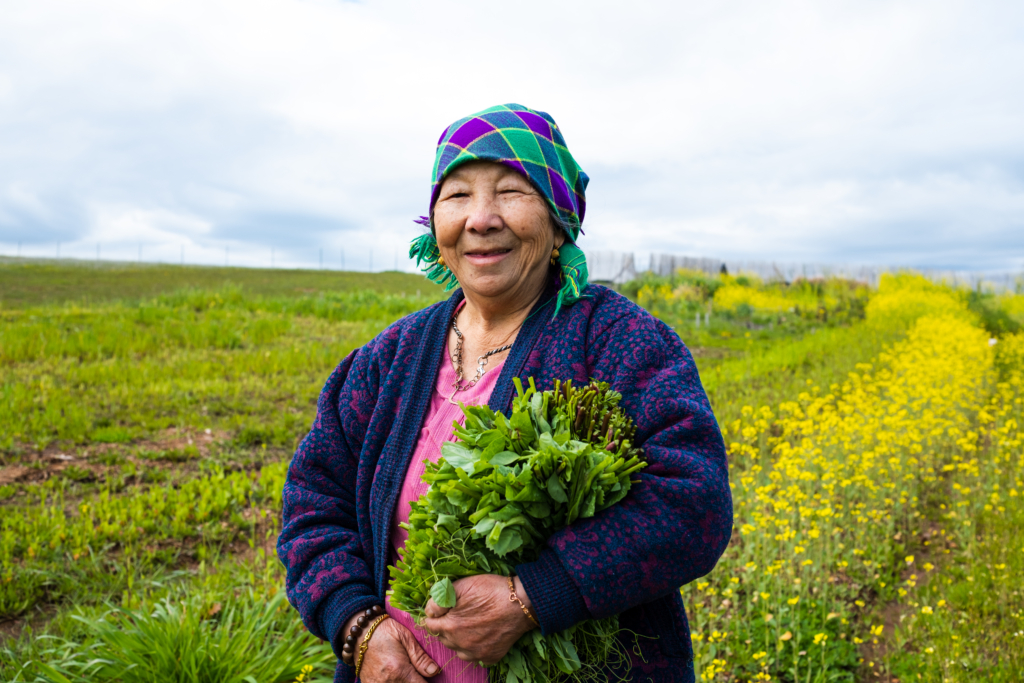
[{"x": 147, "y": 414}]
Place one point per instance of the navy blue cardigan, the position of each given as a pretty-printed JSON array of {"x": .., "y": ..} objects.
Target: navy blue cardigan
[{"x": 631, "y": 559}]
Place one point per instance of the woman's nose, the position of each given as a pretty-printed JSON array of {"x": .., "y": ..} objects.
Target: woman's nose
[{"x": 484, "y": 215}]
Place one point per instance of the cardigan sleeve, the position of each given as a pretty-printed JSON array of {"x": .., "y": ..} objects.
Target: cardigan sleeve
[
  {"x": 327, "y": 577},
  {"x": 676, "y": 522}
]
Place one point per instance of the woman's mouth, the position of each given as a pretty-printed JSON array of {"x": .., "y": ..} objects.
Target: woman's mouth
[{"x": 486, "y": 257}]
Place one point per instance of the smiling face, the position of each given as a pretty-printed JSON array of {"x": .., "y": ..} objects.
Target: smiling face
[{"x": 495, "y": 232}]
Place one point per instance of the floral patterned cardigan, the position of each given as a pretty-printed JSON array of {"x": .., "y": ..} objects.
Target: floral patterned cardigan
[{"x": 630, "y": 560}]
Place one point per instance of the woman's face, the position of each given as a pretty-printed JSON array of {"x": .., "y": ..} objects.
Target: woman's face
[{"x": 494, "y": 230}]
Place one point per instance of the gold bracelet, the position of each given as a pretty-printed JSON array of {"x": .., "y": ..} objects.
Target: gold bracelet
[
  {"x": 366, "y": 642},
  {"x": 515, "y": 598}
]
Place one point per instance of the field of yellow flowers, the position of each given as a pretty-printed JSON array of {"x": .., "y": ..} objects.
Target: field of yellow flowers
[
  {"x": 874, "y": 437},
  {"x": 876, "y": 516}
]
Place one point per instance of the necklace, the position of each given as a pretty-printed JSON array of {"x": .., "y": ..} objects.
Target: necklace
[{"x": 480, "y": 362}]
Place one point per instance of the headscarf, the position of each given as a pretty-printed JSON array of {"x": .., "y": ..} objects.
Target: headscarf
[{"x": 529, "y": 142}]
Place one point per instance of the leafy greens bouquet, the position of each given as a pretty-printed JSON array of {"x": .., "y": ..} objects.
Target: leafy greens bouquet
[{"x": 499, "y": 492}]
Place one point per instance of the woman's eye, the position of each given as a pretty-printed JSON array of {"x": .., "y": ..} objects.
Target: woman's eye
[{"x": 457, "y": 195}]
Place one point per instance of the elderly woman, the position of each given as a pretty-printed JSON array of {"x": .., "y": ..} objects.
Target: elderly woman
[{"x": 505, "y": 212}]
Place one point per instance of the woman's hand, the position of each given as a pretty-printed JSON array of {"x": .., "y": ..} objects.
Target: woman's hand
[
  {"x": 484, "y": 623},
  {"x": 394, "y": 656}
]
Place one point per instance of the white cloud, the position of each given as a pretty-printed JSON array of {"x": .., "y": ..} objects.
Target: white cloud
[{"x": 882, "y": 132}]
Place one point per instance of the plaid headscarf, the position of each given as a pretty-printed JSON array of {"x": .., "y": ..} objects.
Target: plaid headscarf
[{"x": 529, "y": 142}]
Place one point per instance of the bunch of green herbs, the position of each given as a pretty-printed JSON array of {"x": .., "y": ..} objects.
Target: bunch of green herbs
[{"x": 500, "y": 491}]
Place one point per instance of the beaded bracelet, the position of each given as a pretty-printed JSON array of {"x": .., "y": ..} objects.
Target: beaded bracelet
[
  {"x": 348, "y": 650},
  {"x": 366, "y": 641}
]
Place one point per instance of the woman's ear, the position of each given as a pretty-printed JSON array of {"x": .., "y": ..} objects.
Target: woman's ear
[{"x": 559, "y": 237}]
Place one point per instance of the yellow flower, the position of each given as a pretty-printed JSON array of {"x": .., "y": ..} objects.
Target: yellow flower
[
  {"x": 793, "y": 601},
  {"x": 820, "y": 638},
  {"x": 713, "y": 669}
]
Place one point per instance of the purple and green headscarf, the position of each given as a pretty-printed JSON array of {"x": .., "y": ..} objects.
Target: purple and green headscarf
[{"x": 530, "y": 142}]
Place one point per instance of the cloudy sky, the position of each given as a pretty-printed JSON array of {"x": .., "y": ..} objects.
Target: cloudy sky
[{"x": 861, "y": 132}]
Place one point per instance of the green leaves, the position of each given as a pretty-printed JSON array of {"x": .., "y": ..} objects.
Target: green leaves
[
  {"x": 443, "y": 593},
  {"x": 565, "y": 656},
  {"x": 503, "y": 539},
  {"x": 449, "y": 522},
  {"x": 504, "y": 458},
  {"x": 556, "y": 490},
  {"x": 523, "y": 431},
  {"x": 505, "y": 487},
  {"x": 457, "y": 455}
]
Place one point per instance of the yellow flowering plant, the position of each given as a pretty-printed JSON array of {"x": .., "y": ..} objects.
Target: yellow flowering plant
[{"x": 832, "y": 489}]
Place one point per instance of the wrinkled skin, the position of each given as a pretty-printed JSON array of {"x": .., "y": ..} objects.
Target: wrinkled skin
[
  {"x": 482, "y": 627},
  {"x": 484, "y": 624},
  {"x": 494, "y": 231},
  {"x": 394, "y": 656}
]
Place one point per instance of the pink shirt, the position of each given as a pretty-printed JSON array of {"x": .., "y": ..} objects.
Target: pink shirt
[{"x": 437, "y": 428}]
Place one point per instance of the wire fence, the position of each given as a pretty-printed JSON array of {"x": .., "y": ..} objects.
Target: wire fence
[
  {"x": 605, "y": 266},
  {"x": 619, "y": 267}
]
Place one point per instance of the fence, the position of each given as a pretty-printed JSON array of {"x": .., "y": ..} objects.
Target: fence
[{"x": 618, "y": 267}]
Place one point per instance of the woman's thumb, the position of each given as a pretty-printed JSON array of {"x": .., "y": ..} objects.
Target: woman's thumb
[{"x": 418, "y": 656}]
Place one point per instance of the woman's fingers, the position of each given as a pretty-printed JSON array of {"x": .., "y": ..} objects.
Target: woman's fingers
[
  {"x": 435, "y": 621},
  {"x": 433, "y": 624},
  {"x": 390, "y": 657},
  {"x": 417, "y": 655},
  {"x": 436, "y": 628},
  {"x": 434, "y": 610},
  {"x": 484, "y": 624}
]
